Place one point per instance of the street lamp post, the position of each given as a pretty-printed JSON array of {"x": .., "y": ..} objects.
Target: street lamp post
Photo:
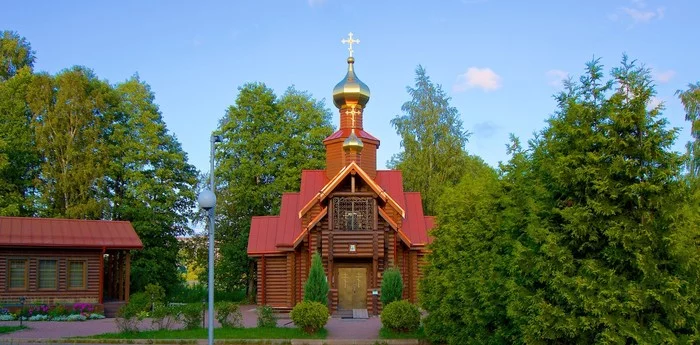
[{"x": 207, "y": 201}]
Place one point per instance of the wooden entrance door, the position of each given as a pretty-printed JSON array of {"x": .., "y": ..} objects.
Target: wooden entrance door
[{"x": 352, "y": 288}]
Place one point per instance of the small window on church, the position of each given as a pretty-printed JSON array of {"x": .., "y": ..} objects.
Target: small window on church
[{"x": 353, "y": 213}]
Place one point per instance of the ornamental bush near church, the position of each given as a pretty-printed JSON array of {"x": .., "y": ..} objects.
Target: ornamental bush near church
[
  {"x": 401, "y": 316},
  {"x": 316, "y": 287},
  {"x": 309, "y": 316},
  {"x": 392, "y": 286}
]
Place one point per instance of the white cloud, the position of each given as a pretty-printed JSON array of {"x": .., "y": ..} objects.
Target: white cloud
[
  {"x": 556, "y": 77},
  {"x": 483, "y": 78},
  {"x": 665, "y": 76},
  {"x": 643, "y": 16},
  {"x": 315, "y": 3}
]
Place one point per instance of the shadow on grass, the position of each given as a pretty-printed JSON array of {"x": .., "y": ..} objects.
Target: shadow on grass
[
  {"x": 219, "y": 333},
  {"x": 10, "y": 329},
  {"x": 385, "y": 333}
]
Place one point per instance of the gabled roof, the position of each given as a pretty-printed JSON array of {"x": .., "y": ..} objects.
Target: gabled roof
[
  {"x": 330, "y": 186},
  {"x": 276, "y": 234},
  {"x": 67, "y": 233}
]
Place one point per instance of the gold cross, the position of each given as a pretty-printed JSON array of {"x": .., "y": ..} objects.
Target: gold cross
[
  {"x": 350, "y": 41},
  {"x": 352, "y": 113}
]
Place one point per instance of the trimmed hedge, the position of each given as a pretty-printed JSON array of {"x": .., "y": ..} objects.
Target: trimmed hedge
[
  {"x": 310, "y": 316},
  {"x": 401, "y": 316}
]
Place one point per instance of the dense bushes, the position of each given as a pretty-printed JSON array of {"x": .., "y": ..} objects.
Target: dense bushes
[
  {"x": 392, "y": 286},
  {"x": 266, "y": 317},
  {"x": 183, "y": 293},
  {"x": 401, "y": 316},
  {"x": 309, "y": 316},
  {"x": 228, "y": 314}
]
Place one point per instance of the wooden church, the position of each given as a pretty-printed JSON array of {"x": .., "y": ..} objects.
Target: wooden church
[{"x": 359, "y": 219}]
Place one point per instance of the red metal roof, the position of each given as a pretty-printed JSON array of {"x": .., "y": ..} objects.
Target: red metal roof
[
  {"x": 262, "y": 235},
  {"x": 392, "y": 182},
  {"x": 344, "y": 133},
  {"x": 67, "y": 233},
  {"x": 414, "y": 224}
]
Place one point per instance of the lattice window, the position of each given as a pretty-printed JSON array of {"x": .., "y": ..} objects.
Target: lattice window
[{"x": 353, "y": 213}]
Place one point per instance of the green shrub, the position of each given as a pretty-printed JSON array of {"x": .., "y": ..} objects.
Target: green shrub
[
  {"x": 59, "y": 310},
  {"x": 163, "y": 316},
  {"x": 309, "y": 316},
  {"x": 128, "y": 317},
  {"x": 228, "y": 314},
  {"x": 184, "y": 293},
  {"x": 392, "y": 286},
  {"x": 316, "y": 287},
  {"x": 155, "y": 294},
  {"x": 401, "y": 316},
  {"x": 139, "y": 302},
  {"x": 191, "y": 315},
  {"x": 266, "y": 317}
]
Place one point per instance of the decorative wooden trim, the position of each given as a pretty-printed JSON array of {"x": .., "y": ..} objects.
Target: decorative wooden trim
[{"x": 101, "y": 287}]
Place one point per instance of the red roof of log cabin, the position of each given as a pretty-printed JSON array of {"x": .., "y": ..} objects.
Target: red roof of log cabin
[
  {"x": 269, "y": 232},
  {"x": 67, "y": 233}
]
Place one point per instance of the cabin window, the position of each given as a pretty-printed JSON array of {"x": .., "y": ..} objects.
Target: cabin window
[
  {"x": 47, "y": 274},
  {"x": 76, "y": 274},
  {"x": 353, "y": 213},
  {"x": 18, "y": 274}
]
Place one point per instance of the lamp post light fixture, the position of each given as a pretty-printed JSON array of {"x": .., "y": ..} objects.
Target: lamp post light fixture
[
  {"x": 21, "y": 309},
  {"x": 207, "y": 201}
]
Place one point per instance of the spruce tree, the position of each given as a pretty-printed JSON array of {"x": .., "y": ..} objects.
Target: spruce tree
[
  {"x": 316, "y": 287},
  {"x": 392, "y": 286}
]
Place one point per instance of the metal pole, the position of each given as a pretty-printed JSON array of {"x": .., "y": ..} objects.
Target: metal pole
[{"x": 214, "y": 139}]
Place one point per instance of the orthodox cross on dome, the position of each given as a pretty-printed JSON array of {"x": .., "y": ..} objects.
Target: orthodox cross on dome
[
  {"x": 350, "y": 41},
  {"x": 352, "y": 112}
]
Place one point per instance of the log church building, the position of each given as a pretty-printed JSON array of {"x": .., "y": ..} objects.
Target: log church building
[{"x": 359, "y": 219}]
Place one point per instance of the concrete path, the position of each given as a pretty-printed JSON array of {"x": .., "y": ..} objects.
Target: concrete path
[{"x": 337, "y": 328}]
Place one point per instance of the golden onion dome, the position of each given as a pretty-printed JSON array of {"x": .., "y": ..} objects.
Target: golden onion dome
[
  {"x": 352, "y": 142},
  {"x": 350, "y": 90}
]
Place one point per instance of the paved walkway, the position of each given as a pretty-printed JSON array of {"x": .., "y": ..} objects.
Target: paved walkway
[{"x": 337, "y": 328}]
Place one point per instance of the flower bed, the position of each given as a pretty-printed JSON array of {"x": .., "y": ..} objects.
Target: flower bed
[{"x": 58, "y": 312}]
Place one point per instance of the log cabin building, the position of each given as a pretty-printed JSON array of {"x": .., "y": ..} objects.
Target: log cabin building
[
  {"x": 65, "y": 261},
  {"x": 359, "y": 219}
]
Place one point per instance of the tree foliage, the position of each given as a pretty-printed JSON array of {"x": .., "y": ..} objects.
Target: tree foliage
[
  {"x": 316, "y": 287},
  {"x": 433, "y": 141},
  {"x": 691, "y": 102},
  {"x": 15, "y": 54},
  {"x": 75, "y": 146},
  {"x": 587, "y": 237},
  {"x": 267, "y": 141}
]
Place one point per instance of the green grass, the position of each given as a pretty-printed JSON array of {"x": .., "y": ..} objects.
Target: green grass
[
  {"x": 10, "y": 329},
  {"x": 219, "y": 333},
  {"x": 386, "y": 333}
]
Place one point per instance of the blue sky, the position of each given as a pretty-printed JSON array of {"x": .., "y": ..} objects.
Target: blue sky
[{"x": 500, "y": 61}]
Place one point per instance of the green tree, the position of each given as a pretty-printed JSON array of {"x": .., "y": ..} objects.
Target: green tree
[
  {"x": 15, "y": 53},
  {"x": 149, "y": 183},
  {"x": 433, "y": 141},
  {"x": 72, "y": 113},
  {"x": 691, "y": 102},
  {"x": 590, "y": 236},
  {"x": 266, "y": 143},
  {"x": 316, "y": 287},
  {"x": 19, "y": 159},
  {"x": 392, "y": 286}
]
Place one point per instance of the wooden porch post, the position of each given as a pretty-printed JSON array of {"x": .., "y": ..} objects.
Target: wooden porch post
[
  {"x": 127, "y": 276},
  {"x": 262, "y": 279}
]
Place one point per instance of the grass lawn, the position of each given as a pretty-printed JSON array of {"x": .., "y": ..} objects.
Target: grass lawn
[
  {"x": 386, "y": 333},
  {"x": 219, "y": 333},
  {"x": 10, "y": 329}
]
